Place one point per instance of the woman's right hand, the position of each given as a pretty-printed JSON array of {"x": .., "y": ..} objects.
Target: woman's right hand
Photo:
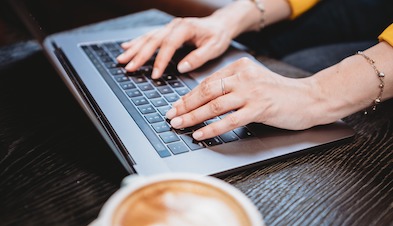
[{"x": 209, "y": 35}]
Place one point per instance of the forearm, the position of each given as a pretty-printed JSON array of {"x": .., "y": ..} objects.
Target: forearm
[
  {"x": 353, "y": 85},
  {"x": 243, "y": 15}
]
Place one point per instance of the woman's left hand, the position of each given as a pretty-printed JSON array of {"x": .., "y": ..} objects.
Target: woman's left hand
[{"x": 254, "y": 94}]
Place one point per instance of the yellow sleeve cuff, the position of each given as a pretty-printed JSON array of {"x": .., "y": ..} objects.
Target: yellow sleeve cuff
[
  {"x": 300, "y": 6},
  {"x": 387, "y": 35}
]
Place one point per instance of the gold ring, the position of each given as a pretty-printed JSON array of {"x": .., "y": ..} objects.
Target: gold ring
[{"x": 223, "y": 87}]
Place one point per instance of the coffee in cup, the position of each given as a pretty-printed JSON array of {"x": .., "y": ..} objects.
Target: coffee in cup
[{"x": 179, "y": 200}]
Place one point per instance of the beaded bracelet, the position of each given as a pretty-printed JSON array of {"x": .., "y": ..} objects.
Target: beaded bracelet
[
  {"x": 380, "y": 75},
  {"x": 261, "y": 8}
]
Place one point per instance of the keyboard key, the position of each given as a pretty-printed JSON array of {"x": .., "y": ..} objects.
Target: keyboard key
[
  {"x": 169, "y": 137},
  {"x": 146, "y": 109},
  {"x": 158, "y": 82},
  {"x": 146, "y": 70},
  {"x": 159, "y": 102},
  {"x": 122, "y": 79},
  {"x": 171, "y": 97},
  {"x": 243, "y": 132},
  {"x": 153, "y": 118},
  {"x": 178, "y": 148},
  {"x": 212, "y": 141},
  {"x": 134, "y": 93},
  {"x": 110, "y": 46},
  {"x": 182, "y": 91},
  {"x": 127, "y": 85},
  {"x": 139, "y": 79},
  {"x": 107, "y": 59},
  {"x": 145, "y": 86},
  {"x": 161, "y": 149},
  {"x": 191, "y": 143},
  {"x": 139, "y": 101},
  {"x": 116, "y": 71},
  {"x": 164, "y": 89},
  {"x": 111, "y": 65},
  {"x": 152, "y": 94},
  {"x": 176, "y": 84},
  {"x": 116, "y": 53},
  {"x": 229, "y": 137},
  {"x": 96, "y": 47},
  {"x": 102, "y": 53},
  {"x": 169, "y": 77},
  {"x": 164, "y": 110},
  {"x": 161, "y": 127},
  {"x": 133, "y": 73}
]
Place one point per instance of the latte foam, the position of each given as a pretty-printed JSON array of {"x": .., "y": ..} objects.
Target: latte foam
[{"x": 180, "y": 203}]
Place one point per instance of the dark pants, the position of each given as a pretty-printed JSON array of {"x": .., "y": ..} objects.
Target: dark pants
[{"x": 329, "y": 32}]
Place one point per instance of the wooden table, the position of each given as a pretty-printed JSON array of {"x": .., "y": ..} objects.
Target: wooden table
[{"x": 55, "y": 169}]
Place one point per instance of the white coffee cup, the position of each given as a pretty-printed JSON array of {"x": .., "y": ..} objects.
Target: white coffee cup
[{"x": 178, "y": 199}]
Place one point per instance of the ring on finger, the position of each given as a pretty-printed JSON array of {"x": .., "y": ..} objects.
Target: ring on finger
[{"x": 223, "y": 87}]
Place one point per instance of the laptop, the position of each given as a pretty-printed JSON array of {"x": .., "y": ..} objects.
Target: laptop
[{"x": 128, "y": 109}]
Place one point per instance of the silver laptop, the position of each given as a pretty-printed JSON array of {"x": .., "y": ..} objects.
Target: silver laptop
[{"x": 128, "y": 110}]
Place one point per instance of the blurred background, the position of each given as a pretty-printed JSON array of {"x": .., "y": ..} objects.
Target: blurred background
[{"x": 59, "y": 15}]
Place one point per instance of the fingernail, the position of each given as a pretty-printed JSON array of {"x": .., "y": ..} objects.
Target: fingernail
[
  {"x": 177, "y": 103},
  {"x": 120, "y": 57},
  {"x": 184, "y": 67},
  {"x": 171, "y": 113},
  {"x": 176, "y": 122},
  {"x": 130, "y": 66},
  {"x": 197, "y": 135},
  {"x": 155, "y": 74}
]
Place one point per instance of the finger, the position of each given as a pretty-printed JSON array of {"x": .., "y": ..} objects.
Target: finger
[
  {"x": 200, "y": 56},
  {"x": 208, "y": 111},
  {"x": 209, "y": 89},
  {"x": 168, "y": 48},
  {"x": 230, "y": 122},
  {"x": 145, "y": 51},
  {"x": 133, "y": 46},
  {"x": 130, "y": 52},
  {"x": 130, "y": 43},
  {"x": 143, "y": 48}
]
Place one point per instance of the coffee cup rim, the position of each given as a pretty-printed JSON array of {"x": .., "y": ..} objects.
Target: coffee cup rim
[{"x": 107, "y": 211}]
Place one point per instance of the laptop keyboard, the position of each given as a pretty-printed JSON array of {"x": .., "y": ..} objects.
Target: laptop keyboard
[{"x": 148, "y": 100}]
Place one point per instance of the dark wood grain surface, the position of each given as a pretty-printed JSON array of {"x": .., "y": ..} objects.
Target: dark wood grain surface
[{"x": 55, "y": 169}]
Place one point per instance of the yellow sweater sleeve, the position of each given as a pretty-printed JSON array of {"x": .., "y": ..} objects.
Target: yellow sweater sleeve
[
  {"x": 387, "y": 35},
  {"x": 300, "y": 6}
]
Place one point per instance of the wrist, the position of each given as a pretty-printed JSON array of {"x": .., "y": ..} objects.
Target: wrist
[
  {"x": 345, "y": 88},
  {"x": 249, "y": 15},
  {"x": 246, "y": 18}
]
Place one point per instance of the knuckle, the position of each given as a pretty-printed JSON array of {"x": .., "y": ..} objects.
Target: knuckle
[
  {"x": 216, "y": 107},
  {"x": 168, "y": 42},
  {"x": 244, "y": 60},
  {"x": 176, "y": 21},
  {"x": 192, "y": 118},
  {"x": 187, "y": 20},
  {"x": 186, "y": 105},
  {"x": 233, "y": 121},
  {"x": 205, "y": 89},
  {"x": 250, "y": 75},
  {"x": 153, "y": 39}
]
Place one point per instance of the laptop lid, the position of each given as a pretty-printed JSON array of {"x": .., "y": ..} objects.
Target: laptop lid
[{"x": 118, "y": 118}]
